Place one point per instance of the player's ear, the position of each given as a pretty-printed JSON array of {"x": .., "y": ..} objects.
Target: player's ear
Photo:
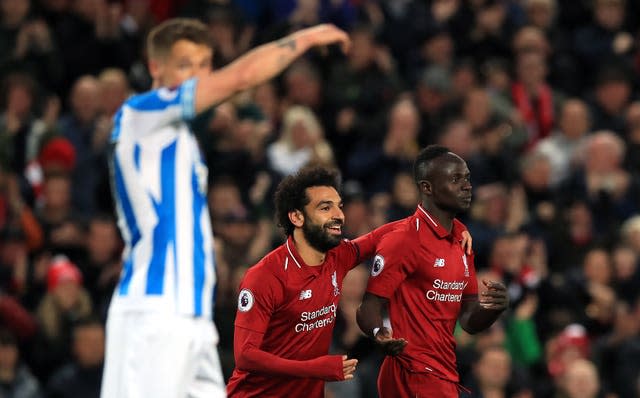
[
  {"x": 155, "y": 68},
  {"x": 297, "y": 218},
  {"x": 425, "y": 187}
]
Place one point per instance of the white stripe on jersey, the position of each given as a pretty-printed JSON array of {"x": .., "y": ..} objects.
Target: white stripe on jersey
[
  {"x": 291, "y": 254},
  {"x": 159, "y": 183},
  {"x": 428, "y": 216}
]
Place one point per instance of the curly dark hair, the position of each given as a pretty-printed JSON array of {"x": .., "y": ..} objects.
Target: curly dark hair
[{"x": 291, "y": 193}]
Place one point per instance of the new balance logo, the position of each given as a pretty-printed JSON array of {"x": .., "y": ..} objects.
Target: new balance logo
[
  {"x": 305, "y": 294},
  {"x": 439, "y": 263}
]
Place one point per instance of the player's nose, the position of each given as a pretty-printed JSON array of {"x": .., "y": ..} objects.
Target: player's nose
[{"x": 338, "y": 215}]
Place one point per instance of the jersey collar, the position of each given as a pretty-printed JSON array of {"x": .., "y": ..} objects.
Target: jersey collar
[
  {"x": 425, "y": 217},
  {"x": 292, "y": 252}
]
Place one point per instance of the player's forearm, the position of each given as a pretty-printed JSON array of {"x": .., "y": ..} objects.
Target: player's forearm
[
  {"x": 475, "y": 319},
  {"x": 255, "y": 67},
  {"x": 327, "y": 367},
  {"x": 250, "y": 358},
  {"x": 263, "y": 63},
  {"x": 269, "y": 60},
  {"x": 370, "y": 313}
]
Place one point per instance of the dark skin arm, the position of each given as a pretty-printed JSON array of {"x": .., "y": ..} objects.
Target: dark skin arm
[
  {"x": 479, "y": 315},
  {"x": 369, "y": 317}
]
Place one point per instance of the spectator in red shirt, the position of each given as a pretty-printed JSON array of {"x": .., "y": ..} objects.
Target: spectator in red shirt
[{"x": 425, "y": 280}]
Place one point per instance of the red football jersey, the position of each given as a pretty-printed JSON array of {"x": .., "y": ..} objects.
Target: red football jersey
[
  {"x": 295, "y": 306},
  {"x": 423, "y": 271}
]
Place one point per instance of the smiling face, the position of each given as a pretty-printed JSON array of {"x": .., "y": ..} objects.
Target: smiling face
[
  {"x": 323, "y": 218},
  {"x": 185, "y": 60},
  {"x": 448, "y": 184}
]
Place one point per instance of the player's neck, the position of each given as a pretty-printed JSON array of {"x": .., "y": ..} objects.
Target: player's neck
[
  {"x": 443, "y": 217},
  {"x": 310, "y": 255}
]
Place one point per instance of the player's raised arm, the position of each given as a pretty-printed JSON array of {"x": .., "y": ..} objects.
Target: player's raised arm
[{"x": 264, "y": 63}]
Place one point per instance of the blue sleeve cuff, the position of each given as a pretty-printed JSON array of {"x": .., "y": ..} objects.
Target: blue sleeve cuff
[{"x": 188, "y": 98}]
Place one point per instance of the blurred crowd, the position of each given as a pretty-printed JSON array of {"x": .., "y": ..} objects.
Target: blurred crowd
[{"x": 540, "y": 97}]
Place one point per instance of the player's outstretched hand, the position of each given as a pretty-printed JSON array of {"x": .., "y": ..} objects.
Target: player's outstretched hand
[
  {"x": 325, "y": 34},
  {"x": 467, "y": 242},
  {"x": 390, "y": 346},
  {"x": 495, "y": 298},
  {"x": 348, "y": 367}
]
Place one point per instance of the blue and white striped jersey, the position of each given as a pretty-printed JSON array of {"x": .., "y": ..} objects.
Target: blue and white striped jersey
[{"x": 160, "y": 186}]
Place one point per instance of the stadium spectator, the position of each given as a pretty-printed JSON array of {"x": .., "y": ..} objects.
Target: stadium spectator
[
  {"x": 360, "y": 89},
  {"x": 433, "y": 99},
  {"x": 301, "y": 142},
  {"x": 534, "y": 99},
  {"x": 612, "y": 96},
  {"x": 561, "y": 148},
  {"x": 59, "y": 219},
  {"x": 581, "y": 379},
  {"x": 65, "y": 302},
  {"x": 375, "y": 164},
  {"x": 16, "y": 379},
  {"x": 611, "y": 192},
  {"x": 83, "y": 375},
  {"x": 100, "y": 262},
  {"x": 616, "y": 353},
  {"x": 21, "y": 129}
]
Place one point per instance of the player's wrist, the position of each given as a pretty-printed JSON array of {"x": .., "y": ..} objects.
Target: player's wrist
[{"x": 301, "y": 39}]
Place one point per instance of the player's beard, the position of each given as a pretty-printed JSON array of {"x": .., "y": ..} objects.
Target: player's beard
[{"x": 319, "y": 238}]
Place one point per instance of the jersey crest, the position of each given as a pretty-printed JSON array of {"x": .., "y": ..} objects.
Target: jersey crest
[
  {"x": 466, "y": 265},
  {"x": 334, "y": 282},
  {"x": 378, "y": 265},
  {"x": 245, "y": 300}
]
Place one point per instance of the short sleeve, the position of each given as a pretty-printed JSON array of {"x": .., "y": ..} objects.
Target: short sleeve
[
  {"x": 353, "y": 252},
  {"x": 187, "y": 99},
  {"x": 146, "y": 113},
  {"x": 260, "y": 294},
  {"x": 347, "y": 255},
  {"x": 391, "y": 265}
]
